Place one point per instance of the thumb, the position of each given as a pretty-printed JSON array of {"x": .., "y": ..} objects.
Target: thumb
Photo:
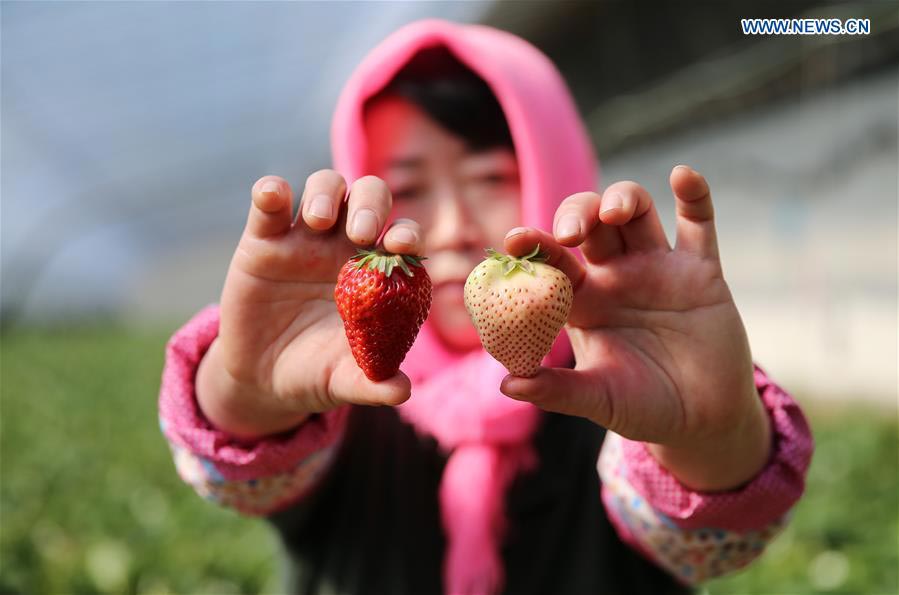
[
  {"x": 573, "y": 392},
  {"x": 350, "y": 385}
]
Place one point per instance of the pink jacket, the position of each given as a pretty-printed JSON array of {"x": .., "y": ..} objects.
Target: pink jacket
[{"x": 693, "y": 535}]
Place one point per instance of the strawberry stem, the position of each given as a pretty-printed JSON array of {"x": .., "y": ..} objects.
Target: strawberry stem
[
  {"x": 524, "y": 263},
  {"x": 385, "y": 262}
]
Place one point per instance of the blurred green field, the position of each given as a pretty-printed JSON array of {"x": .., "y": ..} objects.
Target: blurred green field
[{"x": 90, "y": 502}]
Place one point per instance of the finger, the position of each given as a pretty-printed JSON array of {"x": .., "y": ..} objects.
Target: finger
[
  {"x": 271, "y": 208},
  {"x": 368, "y": 208},
  {"x": 695, "y": 213},
  {"x": 576, "y": 223},
  {"x": 571, "y": 392},
  {"x": 322, "y": 199},
  {"x": 628, "y": 206},
  {"x": 404, "y": 236},
  {"x": 351, "y": 385},
  {"x": 522, "y": 240}
]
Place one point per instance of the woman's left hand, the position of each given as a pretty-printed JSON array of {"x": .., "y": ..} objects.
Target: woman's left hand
[{"x": 662, "y": 355}]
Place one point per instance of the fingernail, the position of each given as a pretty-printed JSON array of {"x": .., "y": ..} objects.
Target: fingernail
[
  {"x": 365, "y": 224},
  {"x": 404, "y": 235},
  {"x": 517, "y": 231},
  {"x": 512, "y": 387},
  {"x": 270, "y": 187},
  {"x": 569, "y": 226},
  {"x": 320, "y": 206},
  {"x": 610, "y": 203},
  {"x": 683, "y": 167}
]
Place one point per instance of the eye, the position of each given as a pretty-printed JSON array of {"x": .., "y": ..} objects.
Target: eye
[
  {"x": 495, "y": 178},
  {"x": 407, "y": 193}
]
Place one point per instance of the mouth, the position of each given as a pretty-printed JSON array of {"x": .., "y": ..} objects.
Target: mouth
[
  {"x": 460, "y": 282},
  {"x": 449, "y": 290}
]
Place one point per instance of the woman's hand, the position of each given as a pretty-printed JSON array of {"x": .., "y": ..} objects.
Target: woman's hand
[
  {"x": 281, "y": 352},
  {"x": 662, "y": 355}
]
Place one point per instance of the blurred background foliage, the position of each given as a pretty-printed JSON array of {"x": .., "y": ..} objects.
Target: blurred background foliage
[
  {"x": 133, "y": 131},
  {"x": 92, "y": 503}
]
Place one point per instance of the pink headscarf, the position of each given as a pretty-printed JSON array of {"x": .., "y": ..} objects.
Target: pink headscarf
[{"x": 455, "y": 397}]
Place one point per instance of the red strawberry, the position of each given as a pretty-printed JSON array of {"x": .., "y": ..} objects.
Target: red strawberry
[{"x": 383, "y": 303}]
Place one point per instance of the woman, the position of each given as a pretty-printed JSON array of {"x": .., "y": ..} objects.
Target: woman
[{"x": 449, "y": 139}]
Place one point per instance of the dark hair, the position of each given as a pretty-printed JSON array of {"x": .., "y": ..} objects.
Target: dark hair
[{"x": 454, "y": 96}]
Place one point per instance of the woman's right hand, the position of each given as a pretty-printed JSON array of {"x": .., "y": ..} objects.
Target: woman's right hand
[{"x": 281, "y": 352}]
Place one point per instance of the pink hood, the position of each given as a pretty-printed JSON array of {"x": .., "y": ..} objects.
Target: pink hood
[
  {"x": 554, "y": 152},
  {"x": 455, "y": 397}
]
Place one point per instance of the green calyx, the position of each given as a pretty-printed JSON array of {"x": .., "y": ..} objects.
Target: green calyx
[
  {"x": 524, "y": 263},
  {"x": 386, "y": 262}
]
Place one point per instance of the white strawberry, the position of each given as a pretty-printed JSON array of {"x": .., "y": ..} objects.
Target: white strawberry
[{"x": 518, "y": 305}]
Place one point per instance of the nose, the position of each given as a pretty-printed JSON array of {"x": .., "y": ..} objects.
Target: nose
[{"x": 454, "y": 226}]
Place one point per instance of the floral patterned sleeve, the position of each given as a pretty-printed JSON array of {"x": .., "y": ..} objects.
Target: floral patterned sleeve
[
  {"x": 254, "y": 477},
  {"x": 700, "y": 535}
]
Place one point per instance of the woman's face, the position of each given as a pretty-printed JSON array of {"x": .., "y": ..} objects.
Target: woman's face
[{"x": 465, "y": 201}]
